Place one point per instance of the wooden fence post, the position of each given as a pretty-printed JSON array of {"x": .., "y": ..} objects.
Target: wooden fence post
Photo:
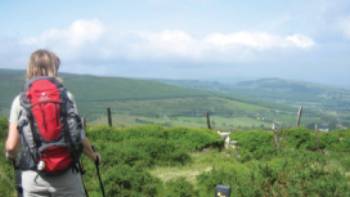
[
  {"x": 318, "y": 136},
  {"x": 207, "y": 114},
  {"x": 299, "y": 115},
  {"x": 276, "y": 136},
  {"x": 109, "y": 115}
]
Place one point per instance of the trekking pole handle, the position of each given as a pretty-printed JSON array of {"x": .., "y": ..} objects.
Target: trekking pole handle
[{"x": 97, "y": 160}]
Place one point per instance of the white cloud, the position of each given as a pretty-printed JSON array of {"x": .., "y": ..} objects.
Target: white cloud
[
  {"x": 76, "y": 35},
  {"x": 92, "y": 41},
  {"x": 258, "y": 40},
  {"x": 165, "y": 44},
  {"x": 215, "y": 46},
  {"x": 300, "y": 41}
]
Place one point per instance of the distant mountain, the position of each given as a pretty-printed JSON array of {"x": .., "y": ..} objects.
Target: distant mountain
[
  {"x": 276, "y": 84},
  {"x": 320, "y": 100},
  {"x": 294, "y": 92},
  {"x": 88, "y": 87},
  {"x": 273, "y": 90}
]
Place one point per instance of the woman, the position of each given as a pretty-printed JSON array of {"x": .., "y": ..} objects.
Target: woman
[{"x": 44, "y": 63}]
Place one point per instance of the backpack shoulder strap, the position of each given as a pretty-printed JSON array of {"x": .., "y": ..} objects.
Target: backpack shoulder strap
[
  {"x": 26, "y": 106},
  {"x": 28, "y": 135}
]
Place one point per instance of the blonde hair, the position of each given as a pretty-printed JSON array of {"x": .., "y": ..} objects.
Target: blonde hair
[{"x": 43, "y": 62}]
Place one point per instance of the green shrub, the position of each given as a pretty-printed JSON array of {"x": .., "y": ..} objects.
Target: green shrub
[
  {"x": 183, "y": 138},
  {"x": 302, "y": 173},
  {"x": 254, "y": 144},
  {"x": 194, "y": 139},
  {"x": 302, "y": 138},
  {"x": 179, "y": 188},
  {"x": 3, "y": 128},
  {"x": 124, "y": 181},
  {"x": 143, "y": 153},
  {"x": 241, "y": 181},
  {"x": 6, "y": 171},
  {"x": 338, "y": 141}
]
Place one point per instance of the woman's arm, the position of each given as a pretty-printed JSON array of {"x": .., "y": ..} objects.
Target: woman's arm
[
  {"x": 89, "y": 152},
  {"x": 12, "y": 140}
]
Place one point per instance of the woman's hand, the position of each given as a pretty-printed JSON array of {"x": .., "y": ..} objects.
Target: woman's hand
[
  {"x": 97, "y": 158},
  {"x": 89, "y": 151}
]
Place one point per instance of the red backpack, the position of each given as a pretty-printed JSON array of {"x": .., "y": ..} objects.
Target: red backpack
[{"x": 50, "y": 127}]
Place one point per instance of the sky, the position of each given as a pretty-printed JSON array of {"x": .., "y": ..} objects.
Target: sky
[{"x": 306, "y": 40}]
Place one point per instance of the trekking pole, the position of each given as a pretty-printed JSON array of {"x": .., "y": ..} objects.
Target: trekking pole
[
  {"x": 17, "y": 176},
  {"x": 97, "y": 165},
  {"x": 82, "y": 172}
]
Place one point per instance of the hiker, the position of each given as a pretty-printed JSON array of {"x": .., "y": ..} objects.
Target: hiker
[{"x": 46, "y": 136}]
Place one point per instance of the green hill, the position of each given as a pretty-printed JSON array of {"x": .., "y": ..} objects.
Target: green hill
[
  {"x": 93, "y": 88},
  {"x": 135, "y": 98}
]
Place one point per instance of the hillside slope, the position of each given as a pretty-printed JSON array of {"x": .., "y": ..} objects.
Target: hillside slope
[{"x": 132, "y": 97}]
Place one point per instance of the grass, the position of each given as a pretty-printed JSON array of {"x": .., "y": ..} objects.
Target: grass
[
  {"x": 218, "y": 122},
  {"x": 201, "y": 162}
]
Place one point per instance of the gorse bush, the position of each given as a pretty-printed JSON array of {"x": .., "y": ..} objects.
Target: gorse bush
[
  {"x": 301, "y": 138},
  {"x": 3, "y": 128},
  {"x": 7, "y": 182},
  {"x": 338, "y": 141},
  {"x": 305, "y": 163},
  {"x": 236, "y": 176},
  {"x": 143, "y": 153},
  {"x": 128, "y": 153},
  {"x": 264, "y": 145},
  {"x": 183, "y": 138},
  {"x": 179, "y": 187},
  {"x": 150, "y": 145},
  {"x": 254, "y": 144},
  {"x": 123, "y": 180},
  {"x": 303, "y": 175}
]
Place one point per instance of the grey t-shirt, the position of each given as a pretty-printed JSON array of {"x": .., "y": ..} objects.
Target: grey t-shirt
[{"x": 16, "y": 107}]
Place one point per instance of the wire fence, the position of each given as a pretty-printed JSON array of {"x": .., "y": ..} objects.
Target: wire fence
[{"x": 199, "y": 118}]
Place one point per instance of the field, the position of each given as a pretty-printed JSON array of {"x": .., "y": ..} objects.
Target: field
[
  {"x": 177, "y": 161},
  {"x": 135, "y": 102}
]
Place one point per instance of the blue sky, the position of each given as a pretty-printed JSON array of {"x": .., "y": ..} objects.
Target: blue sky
[{"x": 184, "y": 39}]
